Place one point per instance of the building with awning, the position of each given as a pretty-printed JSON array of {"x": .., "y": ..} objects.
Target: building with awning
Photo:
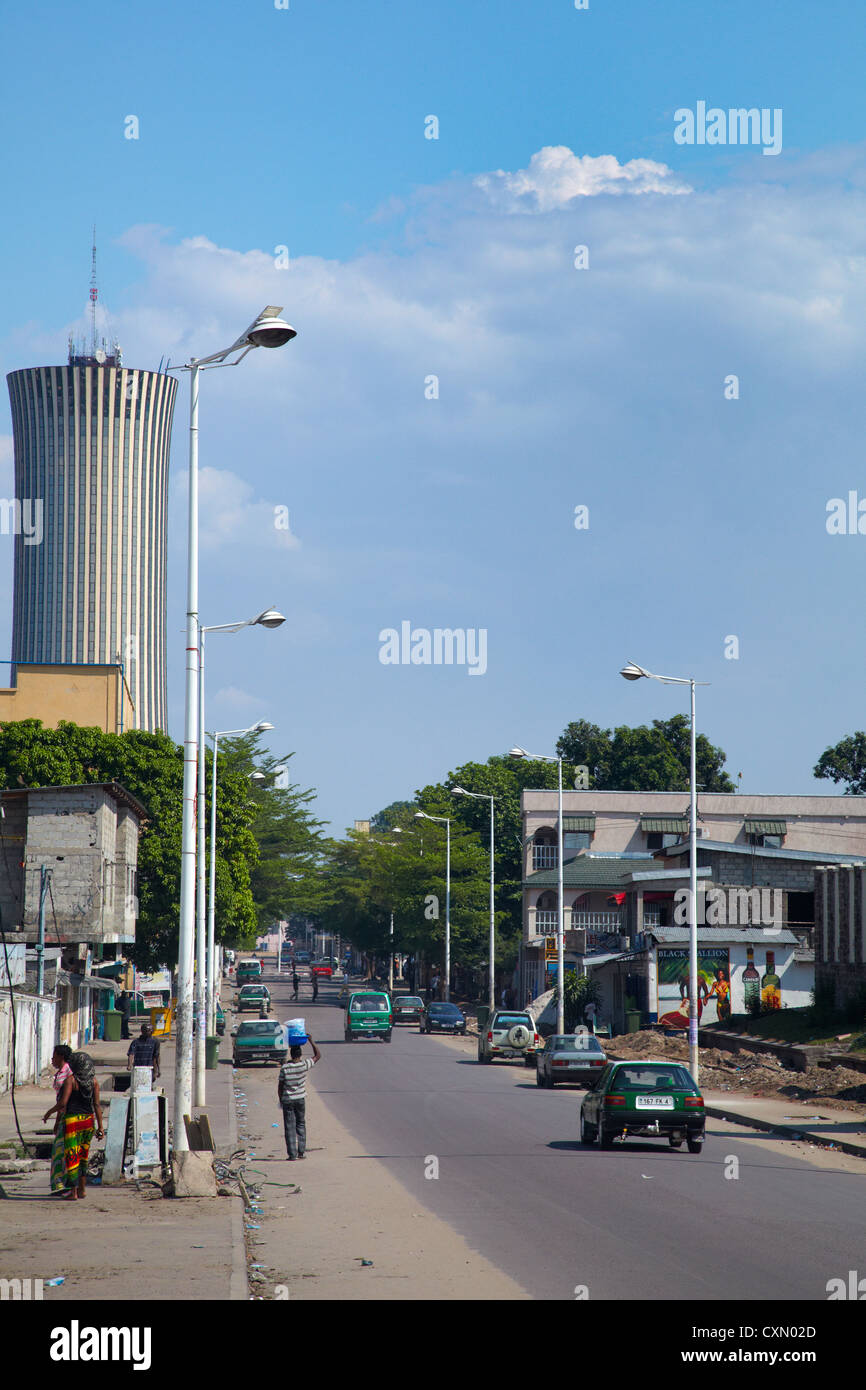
[{"x": 626, "y": 857}]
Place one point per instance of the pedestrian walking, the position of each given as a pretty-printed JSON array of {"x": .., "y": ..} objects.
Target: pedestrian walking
[
  {"x": 77, "y": 1106},
  {"x": 123, "y": 1004},
  {"x": 144, "y": 1051},
  {"x": 292, "y": 1093},
  {"x": 315, "y": 986},
  {"x": 295, "y": 983}
]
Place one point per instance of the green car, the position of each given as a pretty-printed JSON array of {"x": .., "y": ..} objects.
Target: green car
[
  {"x": 248, "y": 970},
  {"x": 220, "y": 1019},
  {"x": 258, "y": 1040},
  {"x": 254, "y": 997},
  {"x": 649, "y": 1099},
  {"x": 368, "y": 1013}
]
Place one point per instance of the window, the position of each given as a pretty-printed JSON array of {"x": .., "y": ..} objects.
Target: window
[
  {"x": 660, "y": 839},
  {"x": 576, "y": 839}
]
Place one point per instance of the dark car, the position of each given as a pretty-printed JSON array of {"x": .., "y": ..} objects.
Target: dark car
[
  {"x": 650, "y": 1099},
  {"x": 569, "y": 1057},
  {"x": 407, "y": 1008},
  {"x": 443, "y": 1018},
  {"x": 302, "y": 958}
]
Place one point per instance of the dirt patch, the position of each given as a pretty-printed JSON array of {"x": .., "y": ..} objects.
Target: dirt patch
[{"x": 750, "y": 1073}]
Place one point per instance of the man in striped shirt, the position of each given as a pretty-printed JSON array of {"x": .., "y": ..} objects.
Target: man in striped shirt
[{"x": 292, "y": 1091}]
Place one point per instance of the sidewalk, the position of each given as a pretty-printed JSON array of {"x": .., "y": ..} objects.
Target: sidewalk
[
  {"x": 793, "y": 1119},
  {"x": 121, "y": 1243}
]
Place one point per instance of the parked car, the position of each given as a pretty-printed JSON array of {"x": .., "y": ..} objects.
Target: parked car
[
  {"x": 253, "y": 997},
  {"x": 368, "y": 1012},
  {"x": 569, "y": 1057},
  {"x": 220, "y": 1019},
  {"x": 322, "y": 968},
  {"x": 509, "y": 1033},
  {"x": 258, "y": 1040},
  {"x": 248, "y": 970},
  {"x": 302, "y": 957},
  {"x": 443, "y": 1018},
  {"x": 407, "y": 1008},
  {"x": 650, "y": 1099}
]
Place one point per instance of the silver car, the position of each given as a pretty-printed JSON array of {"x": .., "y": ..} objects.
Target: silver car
[{"x": 575, "y": 1057}]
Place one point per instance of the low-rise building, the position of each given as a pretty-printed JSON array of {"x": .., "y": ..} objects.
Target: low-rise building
[{"x": 626, "y": 870}]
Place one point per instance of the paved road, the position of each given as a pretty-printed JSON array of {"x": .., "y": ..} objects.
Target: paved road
[{"x": 638, "y": 1222}]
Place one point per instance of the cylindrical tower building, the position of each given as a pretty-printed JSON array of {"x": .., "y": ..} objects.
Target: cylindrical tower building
[{"x": 91, "y": 480}]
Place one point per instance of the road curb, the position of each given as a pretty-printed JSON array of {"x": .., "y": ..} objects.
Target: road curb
[
  {"x": 752, "y": 1122},
  {"x": 239, "y": 1287}
]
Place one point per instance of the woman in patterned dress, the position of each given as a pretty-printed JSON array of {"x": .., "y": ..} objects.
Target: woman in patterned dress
[{"x": 77, "y": 1105}]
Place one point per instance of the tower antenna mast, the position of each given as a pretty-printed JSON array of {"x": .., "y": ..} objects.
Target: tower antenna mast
[{"x": 94, "y": 294}]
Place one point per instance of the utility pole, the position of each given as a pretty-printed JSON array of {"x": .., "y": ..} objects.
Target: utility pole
[{"x": 44, "y": 880}]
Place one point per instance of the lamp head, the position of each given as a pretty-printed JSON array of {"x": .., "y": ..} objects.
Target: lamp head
[
  {"x": 269, "y": 330},
  {"x": 261, "y": 728},
  {"x": 459, "y": 791},
  {"x": 632, "y": 672},
  {"x": 271, "y": 617},
  {"x": 517, "y": 753}
]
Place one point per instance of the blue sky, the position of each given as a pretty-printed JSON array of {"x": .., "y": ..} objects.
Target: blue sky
[{"x": 558, "y": 387}]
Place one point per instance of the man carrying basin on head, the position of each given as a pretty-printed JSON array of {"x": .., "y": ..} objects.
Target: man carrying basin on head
[{"x": 292, "y": 1092}]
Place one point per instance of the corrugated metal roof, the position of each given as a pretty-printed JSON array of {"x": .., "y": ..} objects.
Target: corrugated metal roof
[
  {"x": 671, "y": 936},
  {"x": 666, "y": 825},
  {"x": 765, "y": 827},
  {"x": 725, "y": 847}
]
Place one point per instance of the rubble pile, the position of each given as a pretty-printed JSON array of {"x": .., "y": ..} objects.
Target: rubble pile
[{"x": 758, "y": 1074}]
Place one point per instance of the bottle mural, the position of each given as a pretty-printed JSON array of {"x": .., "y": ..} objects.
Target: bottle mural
[
  {"x": 771, "y": 985},
  {"x": 751, "y": 982}
]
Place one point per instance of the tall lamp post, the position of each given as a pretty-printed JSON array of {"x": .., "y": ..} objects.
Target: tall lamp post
[
  {"x": 422, "y": 815},
  {"x": 491, "y": 992},
  {"x": 270, "y": 619},
  {"x": 205, "y": 994},
  {"x": 270, "y": 331},
  {"x": 633, "y": 672},
  {"x": 560, "y": 916}
]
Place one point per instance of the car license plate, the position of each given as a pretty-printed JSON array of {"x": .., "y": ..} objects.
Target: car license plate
[{"x": 654, "y": 1103}]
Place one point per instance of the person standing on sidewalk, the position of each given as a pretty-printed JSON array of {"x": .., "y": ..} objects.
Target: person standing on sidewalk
[
  {"x": 295, "y": 983},
  {"x": 77, "y": 1107},
  {"x": 292, "y": 1092},
  {"x": 315, "y": 986},
  {"x": 144, "y": 1052}
]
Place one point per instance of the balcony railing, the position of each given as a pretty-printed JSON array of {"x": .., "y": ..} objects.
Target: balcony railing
[{"x": 543, "y": 857}]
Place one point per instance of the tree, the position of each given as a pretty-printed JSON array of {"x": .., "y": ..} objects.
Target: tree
[
  {"x": 578, "y": 991},
  {"x": 287, "y": 877},
  {"x": 845, "y": 762},
  {"x": 643, "y": 758},
  {"x": 150, "y": 766}
]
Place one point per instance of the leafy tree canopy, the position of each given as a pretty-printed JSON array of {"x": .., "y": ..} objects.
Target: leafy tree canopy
[
  {"x": 845, "y": 762},
  {"x": 644, "y": 759}
]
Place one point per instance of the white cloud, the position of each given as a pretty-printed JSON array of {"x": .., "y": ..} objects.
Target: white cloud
[
  {"x": 230, "y": 513},
  {"x": 555, "y": 176}
]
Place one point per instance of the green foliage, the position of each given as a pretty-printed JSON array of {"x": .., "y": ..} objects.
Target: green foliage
[
  {"x": 644, "y": 759},
  {"x": 845, "y": 762},
  {"x": 150, "y": 766},
  {"x": 287, "y": 877},
  {"x": 578, "y": 991}
]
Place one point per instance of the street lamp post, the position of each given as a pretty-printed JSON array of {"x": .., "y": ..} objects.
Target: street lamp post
[
  {"x": 560, "y": 915},
  {"x": 260, "y": 728},
  {"x": 205, "y": 992},
  {"x": 268, "y": 330},
  {"x": 633, "y": 672},
  {"x": 422, "y": 815},
  {"x": 491, "y": 992}
]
